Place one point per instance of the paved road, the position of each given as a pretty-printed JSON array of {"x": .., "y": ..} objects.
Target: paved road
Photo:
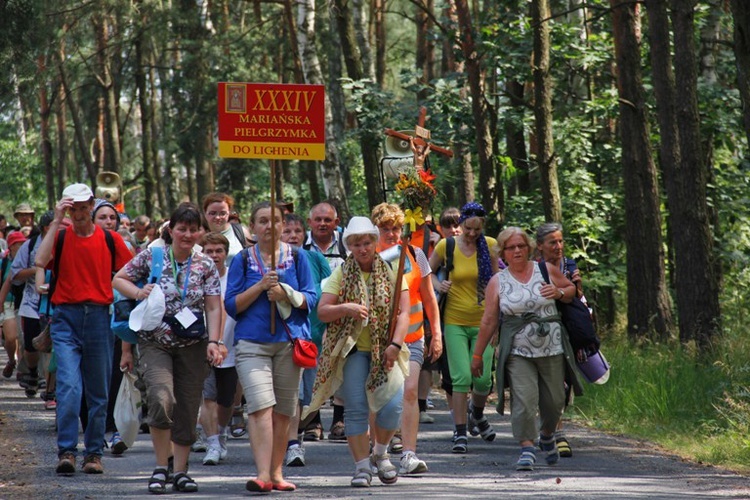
[{"x": 602, "y": 466}]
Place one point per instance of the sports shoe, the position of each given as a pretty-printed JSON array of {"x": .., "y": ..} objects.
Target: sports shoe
[
  {"x": 338, "y": 432},
  {"x": 295, "y": 457},
  {"x": 314, "y": 432},
  {"x": 117, "y": 445},
  {"x": 430, "y": 404},
  {"x": 66, "y": 466},
  {"x": 223, "y": 445},
  {"x": 387, "y": 472},
  {"x": 396, "y": 445},
  {"x": 213, "y": 456},
  {"x": 425, "y": 418},
  {"x": 92, "y": 464},
  {"x": 460, "y": 445},
  {"x": 362, "y": 478},
  {"x": 10, "y": 367},
  {"x": 200, "y": 441},
  {"x": 480, "y": 427},
  {"x": 547, "y": 444},
  {"x": 411, "y": 464},
  {"x": 50, "y": 402}
]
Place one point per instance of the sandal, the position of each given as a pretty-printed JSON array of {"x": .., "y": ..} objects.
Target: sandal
[
  {"x": 460, "y": 444},
  {"x": 184, "y": 483},
  {"x": 362, "y": 478},
  {"x": 564, "y": 447},
  {"x": 387, "y": 472},
  {"x": 527, "y": 459},
  {"x": 158, "y": 482},
  {"x": 548, "y": 445}
]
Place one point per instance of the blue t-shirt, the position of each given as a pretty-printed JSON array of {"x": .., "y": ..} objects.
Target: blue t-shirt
[{"x": 254, "y": 323}]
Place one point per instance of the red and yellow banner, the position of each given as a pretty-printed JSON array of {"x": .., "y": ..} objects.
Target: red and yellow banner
[{"x": 271, "y": 121}]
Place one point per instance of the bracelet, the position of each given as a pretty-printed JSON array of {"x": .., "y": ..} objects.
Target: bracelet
[
  {"x": 213, "y": 342},
  {"x": 398, "y": 346},
  {"x": 477, "y": 356}
]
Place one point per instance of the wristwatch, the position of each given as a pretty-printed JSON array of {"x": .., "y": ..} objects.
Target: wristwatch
[{"x": 217, "y": 342}]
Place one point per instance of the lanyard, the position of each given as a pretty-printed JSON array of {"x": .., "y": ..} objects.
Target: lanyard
[
  {"x": 176, "y": 273},
  {"x": 259, "y": 259}
]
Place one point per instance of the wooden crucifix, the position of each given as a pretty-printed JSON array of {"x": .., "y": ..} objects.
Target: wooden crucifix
[{"x": 419, "y": 142}]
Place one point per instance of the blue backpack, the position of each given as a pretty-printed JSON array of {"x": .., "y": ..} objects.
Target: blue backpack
[{"x": 124, "y": 306}]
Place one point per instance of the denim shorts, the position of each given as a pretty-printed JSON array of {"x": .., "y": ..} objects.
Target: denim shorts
[{"x": 416, "y": 351}]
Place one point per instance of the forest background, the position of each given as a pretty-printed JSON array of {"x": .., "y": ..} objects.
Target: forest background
[{"x": 627, "y": 121}]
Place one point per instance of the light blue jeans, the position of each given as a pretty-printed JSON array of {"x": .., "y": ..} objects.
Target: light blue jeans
[
  {"x": 354, "y": 394},
  {"x": 83, "y": 343}
]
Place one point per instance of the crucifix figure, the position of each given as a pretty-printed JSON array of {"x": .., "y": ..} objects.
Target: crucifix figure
[{"x": 419, "y": 142}]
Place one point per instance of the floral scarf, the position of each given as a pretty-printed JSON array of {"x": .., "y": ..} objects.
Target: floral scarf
[{"x": 377, "y": 294}]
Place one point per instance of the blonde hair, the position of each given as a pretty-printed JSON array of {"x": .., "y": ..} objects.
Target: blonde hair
[
  {"x": 508, "y": 233},
  {"x": 387, "y": 213}
]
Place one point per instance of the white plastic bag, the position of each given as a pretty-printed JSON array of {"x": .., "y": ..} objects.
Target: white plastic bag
[
  {"x": 128, "y": 409},
  {"x": 148, "y": 314}
]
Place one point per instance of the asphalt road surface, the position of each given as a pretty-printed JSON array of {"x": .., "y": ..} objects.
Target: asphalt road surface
[{"x": 602, "y": 466}]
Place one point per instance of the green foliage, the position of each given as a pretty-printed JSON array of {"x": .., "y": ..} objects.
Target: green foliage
[
  {"x": 697, "y": 404},
  {"x": 22, "y": 174}
]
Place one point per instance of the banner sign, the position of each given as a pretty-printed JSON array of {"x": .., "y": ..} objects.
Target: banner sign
[{"x": 271, "y": 121}]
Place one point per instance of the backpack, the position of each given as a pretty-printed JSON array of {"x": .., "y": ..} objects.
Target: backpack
[
  {"x": 577, "y": 320},
  {"x": 123, "y": 306},
  {"x": 450, "y": 246},
  {"x": 17, "y": 290},
  {"x": 307, "y": 245},
  {"x": 239, "y": 233}
]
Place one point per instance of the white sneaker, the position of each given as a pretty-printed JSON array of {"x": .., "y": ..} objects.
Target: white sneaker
[
  {"x": 411, "y": 464},
  {"x": 425, "y": 418},
  {"x": 223, "y": 445},
  {"x": 295, "y": 457},
  {"x": 200, "y": 441},
  {"x": 213, "y": 456}
]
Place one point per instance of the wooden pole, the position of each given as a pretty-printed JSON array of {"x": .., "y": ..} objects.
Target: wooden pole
[
  {"x": 273, "y": 238},
  {"x": 399, "y": 278}
]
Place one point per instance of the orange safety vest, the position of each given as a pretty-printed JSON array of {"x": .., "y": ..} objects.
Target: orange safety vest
[{"x": 416, "y": 312}]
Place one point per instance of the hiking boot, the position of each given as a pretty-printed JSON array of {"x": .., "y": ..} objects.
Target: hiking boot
[
  {"x": 92, "y": 464},
  {"x": 66, "y": 466}
]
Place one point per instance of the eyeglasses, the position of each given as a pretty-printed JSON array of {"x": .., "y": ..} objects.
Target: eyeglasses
[
  {"x": 513, "y": 248},
  {"x": 217, "y": 214}
]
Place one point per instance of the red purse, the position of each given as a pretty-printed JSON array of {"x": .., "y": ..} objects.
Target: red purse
[{"x": 304, "y": 352}]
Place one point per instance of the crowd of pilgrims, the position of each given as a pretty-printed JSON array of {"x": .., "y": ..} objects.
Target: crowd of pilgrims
[{"x": 219, "y": 362}]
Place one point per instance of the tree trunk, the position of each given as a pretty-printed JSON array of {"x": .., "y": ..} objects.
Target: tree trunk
[
  {"x": 515, "y": 137},
  {"x": 75, "y": 114},
  {"x": 147, "y": 116},
  {"x": 378, "y": 19},
  {"x": 648, "y": 300},
  {"x": 359, "y": 19},
  {"x": 545, "y": 151},
  {"x": 46, "y": 140},
  {"x": 354, "y": 68},
  {"x": 696, "y": 280},
  {"x": 425, "y": 50},
  {"x": 741, "y": 15},
  {"x": 488, "y": 183},
  {"x": 113, "y": 160},
  {"x": 62, "y": 141},
  {"x": 333, "y": 182}
]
